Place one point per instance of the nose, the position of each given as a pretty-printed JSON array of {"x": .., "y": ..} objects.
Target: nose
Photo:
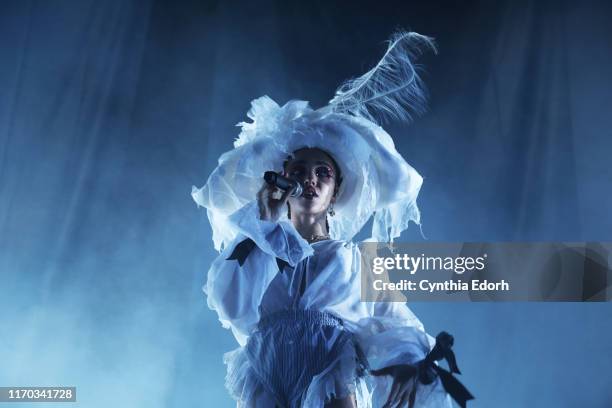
[{"x": 311, "y": 179}]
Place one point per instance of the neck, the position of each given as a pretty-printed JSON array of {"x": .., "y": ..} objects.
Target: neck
[{"x": 310, "y": 226}]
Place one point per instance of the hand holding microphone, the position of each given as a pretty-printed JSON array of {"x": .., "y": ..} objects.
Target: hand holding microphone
[
  {"x": 283, "y": 183},
  {"x": 270, "y": 207}
]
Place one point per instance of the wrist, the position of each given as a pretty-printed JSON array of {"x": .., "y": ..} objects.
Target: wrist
[{"x": 267, "y": 216}]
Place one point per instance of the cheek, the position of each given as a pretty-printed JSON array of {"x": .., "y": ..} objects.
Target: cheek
[{"x": 327, "y": 190}]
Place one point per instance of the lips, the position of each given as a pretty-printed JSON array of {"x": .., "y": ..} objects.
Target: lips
[{"x": 309, "y": 193}]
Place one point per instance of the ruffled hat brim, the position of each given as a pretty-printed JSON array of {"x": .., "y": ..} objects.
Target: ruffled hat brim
[{"x": 376, "y": 178}]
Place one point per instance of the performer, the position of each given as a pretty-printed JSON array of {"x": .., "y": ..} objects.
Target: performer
[{"x": 287, "y": 282}]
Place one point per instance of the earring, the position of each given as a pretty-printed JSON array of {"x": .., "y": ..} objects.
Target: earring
[{"x": 331, "y": 210}]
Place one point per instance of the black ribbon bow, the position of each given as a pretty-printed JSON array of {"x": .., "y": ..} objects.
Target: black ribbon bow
[
  {"x": 428, "y": 369},
  {"x": 244, "y": 248}
]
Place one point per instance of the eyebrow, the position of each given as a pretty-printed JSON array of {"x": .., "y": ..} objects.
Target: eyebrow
[{"x": 317, "y": 162}]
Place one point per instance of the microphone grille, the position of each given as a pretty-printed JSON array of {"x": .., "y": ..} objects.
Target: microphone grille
[{"x": 297, "y": 190}]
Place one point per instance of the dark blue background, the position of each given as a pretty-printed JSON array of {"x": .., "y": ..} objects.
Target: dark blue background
[{"x": 111, "y": 110}]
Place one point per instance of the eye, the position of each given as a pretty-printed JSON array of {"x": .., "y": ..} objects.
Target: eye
[{"x": 324, "y": 172}]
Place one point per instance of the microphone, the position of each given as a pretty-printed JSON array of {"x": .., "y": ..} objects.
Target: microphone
[{"x": 283, "y": 183}]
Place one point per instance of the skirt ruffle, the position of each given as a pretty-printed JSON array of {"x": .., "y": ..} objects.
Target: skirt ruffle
[
  {"x": 241, "y": 380},
  {"x": 338, "y": 380}
]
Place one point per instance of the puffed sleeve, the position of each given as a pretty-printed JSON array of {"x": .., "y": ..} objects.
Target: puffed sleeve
[
  {"x": 235, "y": 286},
  {"x": 393, "y": 335},
  {"x": 390, "y": 334}
]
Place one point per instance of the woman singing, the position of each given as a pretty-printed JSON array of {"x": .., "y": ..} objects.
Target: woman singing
[{"x": 288, "y": 279}]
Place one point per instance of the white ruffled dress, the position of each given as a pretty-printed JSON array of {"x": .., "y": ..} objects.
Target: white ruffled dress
[{"x": 321, "y": 278}]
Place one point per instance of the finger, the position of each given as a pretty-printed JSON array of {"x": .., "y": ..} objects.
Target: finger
[
  {"x": 260, "y": 196},
  {"x": 267, "y": 187},
  {"x": 404, "y": 395},
  {"x": 268, "y": 194},
  {"x": 395, "y": 389},
  {"x": 264, "y": 193},
  {"x": 285, "y": 196},
  {"x": 275, "y": 197},
  {"x": 404, "y": 399}
]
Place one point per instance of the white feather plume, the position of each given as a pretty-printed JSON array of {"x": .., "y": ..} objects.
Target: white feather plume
[{"x": 393, "y": 88}]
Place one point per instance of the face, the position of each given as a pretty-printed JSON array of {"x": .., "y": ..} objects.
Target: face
[{"x": 315, "y": 171}]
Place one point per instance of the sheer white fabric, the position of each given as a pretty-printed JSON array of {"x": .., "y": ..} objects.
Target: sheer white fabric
[
  {"x": 376, "y": 178},
  {"x": 389, "y": 333}
]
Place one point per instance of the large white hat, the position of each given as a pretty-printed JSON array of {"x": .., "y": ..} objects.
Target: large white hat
[{"x": 376, "y": 180}]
